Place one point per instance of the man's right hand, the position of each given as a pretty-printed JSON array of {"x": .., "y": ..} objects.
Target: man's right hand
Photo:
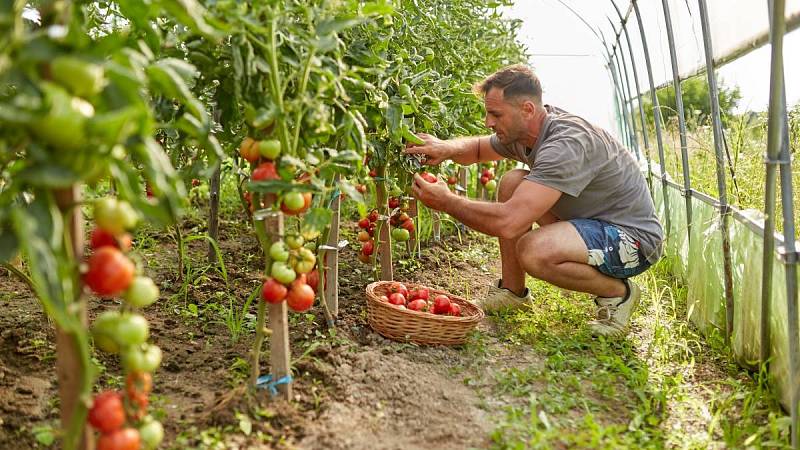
[{"x": 435, "y": 149}]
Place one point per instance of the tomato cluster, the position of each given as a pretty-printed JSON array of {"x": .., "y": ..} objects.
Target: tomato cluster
[
  {"x": 403, "y": 223},
  {"x": 487, "y": 180},
  {"x": 110, "y": 410},
  {"x": 418, "y": 299},
  {"x": 365, "y": 236},
  {"x": 293, "y": 276}
]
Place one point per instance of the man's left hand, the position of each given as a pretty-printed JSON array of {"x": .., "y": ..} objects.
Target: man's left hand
[{"x": 432, "y": 195}]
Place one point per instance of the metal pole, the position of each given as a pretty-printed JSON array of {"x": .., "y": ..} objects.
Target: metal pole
[
  {"x": 656, "y": 116},
  {"x": 629, "y": 102},
  {"x": 624, "y": 100},
  {"x": 676, "y": 80},
  {"x": 724, "y": 210},
  {"x": 638, "y": 96},
  {"x": 778, "y": 136},
  {"x": 613, "y": 68}
]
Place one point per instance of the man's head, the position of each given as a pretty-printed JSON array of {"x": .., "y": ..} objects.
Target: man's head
[{"x": 513, "y": 100}]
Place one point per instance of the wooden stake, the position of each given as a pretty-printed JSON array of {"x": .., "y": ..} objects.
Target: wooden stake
[
  {"x": 213, "y": 216},
  {"x": 385, "y": 238},
  {"x": 332, "y": 261},
  {"x": 280, "y": 354}
]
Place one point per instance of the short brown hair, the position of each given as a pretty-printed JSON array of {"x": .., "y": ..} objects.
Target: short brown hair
[{"x": 515, "y": 81}]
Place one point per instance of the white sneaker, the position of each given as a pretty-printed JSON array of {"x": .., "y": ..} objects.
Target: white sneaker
[
  {"x": 613, "y": 314},
  {"x": 501, "y": 298}
]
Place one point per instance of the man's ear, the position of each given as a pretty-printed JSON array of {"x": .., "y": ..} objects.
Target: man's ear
[{"x": 529, "y": 107}]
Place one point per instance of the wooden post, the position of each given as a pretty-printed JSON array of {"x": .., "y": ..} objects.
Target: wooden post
[
  {"x": 279, "y": 354},
  {"x": 213, "y": 216},
  {"x": 413, "y": 212},
  {"x": 331, "y": 286},
  {"x": 69, "y": 368},
  {"x": 437, "y": 226},
  {"x": 385, "y": 244}
]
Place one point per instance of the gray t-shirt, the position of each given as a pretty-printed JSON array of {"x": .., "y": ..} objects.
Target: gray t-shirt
[{"x": 598, "y": 177}]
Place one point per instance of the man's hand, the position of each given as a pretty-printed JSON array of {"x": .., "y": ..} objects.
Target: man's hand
[
  {"x": 432, "y": 195},
  {"x": 435, "y": 149}
]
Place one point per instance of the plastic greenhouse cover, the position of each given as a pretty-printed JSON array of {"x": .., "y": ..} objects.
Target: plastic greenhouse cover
[
  {"x": 699, "y": 264},
  {"x": 733, "y": 24}
]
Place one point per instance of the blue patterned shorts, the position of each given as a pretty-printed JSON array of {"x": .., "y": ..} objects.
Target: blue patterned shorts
[{"x": 611, "y": 250}]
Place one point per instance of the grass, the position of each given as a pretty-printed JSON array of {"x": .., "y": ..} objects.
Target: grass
[{"x": 663, "y": 386}]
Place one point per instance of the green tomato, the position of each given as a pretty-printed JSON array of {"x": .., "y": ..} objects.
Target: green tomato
[
  {"x": 103, "y": 331},
  {"x": 127, "y": 214},
  {"x": 82, "y": 78},
  {"x": 491, "y": 185},
  {"x": 429, "y": 54},
  {"x": 307, "y": 255},
  {"x": 400, "y": 234},
  {"x": 141, "y": 292},
  {"x": 304, "y": 266},
  {"x": 278, "y": 251},
  {"x": 311, "y": 246},
  {"x": 294, "y": 201},
  {"x": 282, "y": 272},
  {"x": 132, "y": 329},
  {"x": 151, "y": 433},
  {"x": 294, "y": 241},
  {"x": 64, "y": 125},
  {"x": 142, "y": 358},
  {"x": 270, "y": 148}
]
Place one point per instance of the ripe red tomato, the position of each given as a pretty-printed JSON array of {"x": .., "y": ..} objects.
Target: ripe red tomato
[
  {"x": 272, "y": 291},
  {"x": 371, "y": 230},
  {"x": 373, "y": 216},
  {"x": 195, "y": 182},
  {"x": 265, "y": 171},
  {"x": 363, "y": 258},
  {"x": 441, "y": 304},
  {"x": 484, "y": 179},
  {"x": 451, "y": 180},
  {"x": 110, "y": 272},
  {"x": 363, "y": 236},
  {"x": 249, "y": 150},
  {"x": 362, "y": 188},
  {"x": 368, "y": 248},
  {"x": 363, "y": 223},
  {"x": 455, "y": 309},
  {"x": 398, "y": 287},
  {"x": 408, "y": 225},
  {"x": 429, "y": 177},
  {"x": 313, "y": 279},
  {"x": 102, "y": 238},
  {"x": 418, "y": 305},
  {"x": 373, "y": 173},
  {"x": 301, "y": 296},
  {"x": 125, "y": 439},
  {"x": 394, "y": 202},
  {"x": 397, "y": 298},
  {"x": 419, "y": 293},
  {"x": 107, "y": 413}
]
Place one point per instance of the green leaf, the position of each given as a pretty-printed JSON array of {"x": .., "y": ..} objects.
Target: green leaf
[
  {"x": 9, "y": 245},
  {"x": 278, "y": 187},
  {"x": 44, "y": 435},
  {"x": 168, "y": 82},
  {"x": 317, "y": 218},
  {"x": 350, "y": 191},
  {"x": 380, "y": 8},
  {"x": 48, "y": 175},
  {"x": 331, "y": 26},
  {"x": 192, "y": 14}
]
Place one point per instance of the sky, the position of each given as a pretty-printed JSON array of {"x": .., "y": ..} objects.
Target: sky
[{"x": 569, "y": 60}]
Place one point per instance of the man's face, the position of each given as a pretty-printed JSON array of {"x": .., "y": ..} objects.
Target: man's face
[{"x": 504, "y": 118}]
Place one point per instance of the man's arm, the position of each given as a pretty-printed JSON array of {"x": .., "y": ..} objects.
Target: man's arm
[
  {"x": 465, "y": 151},
  {"x": 506, "y": 220}
]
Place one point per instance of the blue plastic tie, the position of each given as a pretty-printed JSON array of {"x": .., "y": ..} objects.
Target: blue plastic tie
[{"x": 265, "y": 382}]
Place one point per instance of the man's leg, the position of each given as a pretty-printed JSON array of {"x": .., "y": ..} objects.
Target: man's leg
[
  {"x": 512, "y": 272},
  {"x": 556, "y": 253}
]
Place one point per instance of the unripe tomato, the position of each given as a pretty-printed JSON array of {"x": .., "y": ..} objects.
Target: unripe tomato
[
  {"x": 102, "y": 238},
  {"x": 265, "y": 171},
  {"x": 124, "y": 439},
  {"x": 141, "y": 292},
  {"x": 132, "y": 329},
  {"x": 270, "y": 148},
  {"x": 293, "y": 201},
  {"x": 304, "y": 266},
  {"x": 272, "y": 291},
  {"x": 144, "y": 358},
  {"x": 294, "y": 241},
  {"x": 114, "y": 216},
  {"x": 491, "y": 185},
  {"x": 107, "y": 412},
  {"x": 278, "y": 251},
  {"x": 82, "y": 78},
  {"x": 249, "y": 150},
  {"x": 152, "y": 433},
  {"x": 310, "y": 245},
  {"x": 103, "y": 331},
  {"x": 138, "y": 383},
  {"x": 110, "y": 272},
  {"x": 301, "y": 297},
  {"x": 64, "y": 125},
  {"x": 363, "y": 236},
  {"x": 282, "y": 272},
  {"x": 400, "y": 235},
  {"x": 306, "y": 203}
]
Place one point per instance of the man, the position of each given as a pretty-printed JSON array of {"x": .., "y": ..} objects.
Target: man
[{"x": 597, "y": 223}]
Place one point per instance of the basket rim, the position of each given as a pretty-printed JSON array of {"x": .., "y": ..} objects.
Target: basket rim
[{"x": 474, "y": 318}]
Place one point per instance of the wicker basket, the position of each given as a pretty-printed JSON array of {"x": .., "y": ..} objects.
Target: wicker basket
[{"x": 416, "y": 326}]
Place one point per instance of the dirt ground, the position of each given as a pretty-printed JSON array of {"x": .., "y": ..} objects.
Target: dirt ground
[{"x": 353, "y": 389}]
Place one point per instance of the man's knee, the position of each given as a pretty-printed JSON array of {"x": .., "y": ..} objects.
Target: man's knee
[
  {"x": 509, "y": 182},
  {"x": 535, "y": 252}
]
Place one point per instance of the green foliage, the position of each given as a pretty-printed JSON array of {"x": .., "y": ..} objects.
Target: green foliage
[{"x": 696, "y": 104}]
